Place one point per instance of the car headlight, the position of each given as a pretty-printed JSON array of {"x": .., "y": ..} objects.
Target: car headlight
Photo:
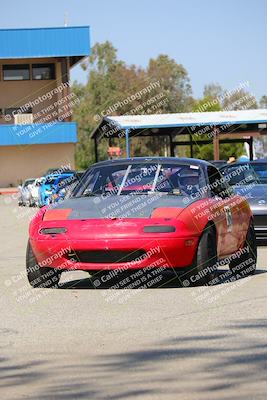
[{"x": 52, "y": 231}]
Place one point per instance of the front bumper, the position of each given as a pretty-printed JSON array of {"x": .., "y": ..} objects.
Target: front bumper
[{"x": 153, "y": 252}]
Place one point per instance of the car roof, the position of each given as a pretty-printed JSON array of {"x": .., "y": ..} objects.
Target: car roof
[
  {"x": 164, "y": 160},
  {"x": 59, "y": 175}
]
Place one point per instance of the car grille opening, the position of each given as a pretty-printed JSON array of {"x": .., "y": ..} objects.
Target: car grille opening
[
  {"x": 107, "y": 256},
  {"x": 260, "y": 220}
]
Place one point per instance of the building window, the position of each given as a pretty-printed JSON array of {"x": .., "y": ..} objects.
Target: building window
[
  {"x": 43, "y": 71},
  {"x": 20, "y": 72},
  {"x": 14, "y": 111}
]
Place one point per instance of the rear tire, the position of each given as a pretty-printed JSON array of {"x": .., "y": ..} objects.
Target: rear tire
[
  {"x": 245, "y": 263},
  {"x": 40, "y": 277},
  {"x": 204, "y": 270}
]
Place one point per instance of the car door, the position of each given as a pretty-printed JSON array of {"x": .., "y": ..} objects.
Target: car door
[{"x": 225, "y": 212}]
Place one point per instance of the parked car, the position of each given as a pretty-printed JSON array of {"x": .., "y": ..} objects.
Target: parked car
[
  {"x": 58, "y": 170},
  {"x": 250, "y": 180},
  {"x": 65, "y": 187},
  {"x": 34, "y": 192},
  {"x": 51, "y": 183},
  {"x": 24, "y": 192},
  {"x": 260, "y": 169},
  {"x": 170, "y": 213}
]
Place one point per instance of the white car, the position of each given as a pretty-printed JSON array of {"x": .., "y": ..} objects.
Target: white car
[
  {"x": 24, "y": 192},
  {"x": 34, "y": 191}
]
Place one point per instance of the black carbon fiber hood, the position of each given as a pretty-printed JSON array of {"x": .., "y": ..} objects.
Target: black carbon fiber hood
[{"x": 125, "y": 206}]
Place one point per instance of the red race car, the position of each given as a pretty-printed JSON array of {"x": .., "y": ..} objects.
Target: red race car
[{"x": 144, "y": 214}]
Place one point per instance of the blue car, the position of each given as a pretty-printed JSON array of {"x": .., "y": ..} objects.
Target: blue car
[
  {"x": 65, "y": 187},
  {"x": 51, "y": 185}
]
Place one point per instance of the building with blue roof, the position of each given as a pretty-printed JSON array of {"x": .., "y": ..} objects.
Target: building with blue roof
[{"x": 36, "y": 128}]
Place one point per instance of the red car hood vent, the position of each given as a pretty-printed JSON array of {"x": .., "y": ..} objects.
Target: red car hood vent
[{"x": 124, "y": 206}]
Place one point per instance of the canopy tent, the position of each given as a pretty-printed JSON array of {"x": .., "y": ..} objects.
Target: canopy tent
[{"x": 225, "y": 126}]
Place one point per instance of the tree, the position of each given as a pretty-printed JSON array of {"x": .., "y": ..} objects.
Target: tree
[
  {"x": 206, "y": 104},
  {"x": 213, "y": 90},
  {"x": 205, "y": 151},
  {"x": 263, "y": 102},
  {"x": 239, "y": 100},
  {"x": 174, "y": 83},
  {"x": 116, "y": 88},
  {"x": 93, "y": 97}
]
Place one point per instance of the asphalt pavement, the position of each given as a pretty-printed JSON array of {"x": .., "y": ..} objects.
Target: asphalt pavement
[{"x": 79, "y": 342}]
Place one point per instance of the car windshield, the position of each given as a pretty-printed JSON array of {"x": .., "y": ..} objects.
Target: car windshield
[
  {"x": 123, "y": 179},
  {"x": 239, "y": 174},
  {"x": 51, "y": 180},
  {"x": 28, "y": 182}
]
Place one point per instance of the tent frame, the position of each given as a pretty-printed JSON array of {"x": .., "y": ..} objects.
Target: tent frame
[{"x": 236, "y": 133}]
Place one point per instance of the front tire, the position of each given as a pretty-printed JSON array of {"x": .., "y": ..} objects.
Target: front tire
[
  {"x": 204, "y": 270},
  {"x": 40, "y": 277},
  {"x": 246, "y": 258}
]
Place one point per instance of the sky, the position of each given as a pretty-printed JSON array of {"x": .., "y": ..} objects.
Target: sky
[{"x": 220, "y": 41}]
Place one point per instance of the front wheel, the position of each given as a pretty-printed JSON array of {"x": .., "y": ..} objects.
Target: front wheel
[
  {"x": 204, "y": 270},
  {"x": 245, "y": 260},
  {"x": 40, "y": 277}
]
